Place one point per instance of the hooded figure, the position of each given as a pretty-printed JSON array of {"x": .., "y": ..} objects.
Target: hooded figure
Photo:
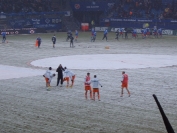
[{"x": 60, "y": 70}]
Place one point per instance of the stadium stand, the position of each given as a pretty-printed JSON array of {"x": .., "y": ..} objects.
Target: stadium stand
[
  {"x": 17, "y": 6},
  {"x": 121, "y": 9},
  {"x": 147, "y": 9}
]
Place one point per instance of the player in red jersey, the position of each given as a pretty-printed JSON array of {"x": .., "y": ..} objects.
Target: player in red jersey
[
  {"x": 124, "y": 83},
  {"x": 87, "y": 83}
]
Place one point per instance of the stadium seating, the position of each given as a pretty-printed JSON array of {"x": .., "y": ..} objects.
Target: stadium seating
[
  {"x": 148, "y": 8},
  {"x": 131, "y": 9},
  {"x": 17, "y": 6},
  {"x": 151, "y": 9}
]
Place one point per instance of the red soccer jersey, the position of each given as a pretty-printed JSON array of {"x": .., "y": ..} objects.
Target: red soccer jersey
[
  {"x": 86, "y": 80},
  {"x": 125, "y": 78}
]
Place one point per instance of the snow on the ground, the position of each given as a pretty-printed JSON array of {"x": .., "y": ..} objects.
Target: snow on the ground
[
  {"x": 27, "y": 107},
  {"x": 9, "y": 72},
  {"x": 108, "y": 61},
  {"x": 95, "y": 61}
]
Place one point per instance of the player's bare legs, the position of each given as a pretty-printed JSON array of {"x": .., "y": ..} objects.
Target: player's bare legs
[
  {"x": 85, "y": 94},
  {"x": 122, "y": 92},
  {"x": 67, "y": 83},
  {"x": 93, "y": 96},
  {"x": 90, "y": 94},
  {"x": 98, "y": 95},
  {"x": 128, "y": 91},
  {"x": 72, "y": 83}
]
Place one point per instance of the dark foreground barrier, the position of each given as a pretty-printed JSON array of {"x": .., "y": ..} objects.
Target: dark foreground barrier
[{"x": 165, "y": 119}]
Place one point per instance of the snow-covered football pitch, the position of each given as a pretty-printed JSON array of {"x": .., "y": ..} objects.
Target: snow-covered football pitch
[{"x": 27, "y": 107}]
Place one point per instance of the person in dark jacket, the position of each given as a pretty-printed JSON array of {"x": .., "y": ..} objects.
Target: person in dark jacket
[
  {"x": 54, "y": 41},
  {"x": 117, "y": 34},
  {"x": 39, "y": 41},
  {"x": 71, "y": 41},
  {"x": 69, "y": 34},
  {"x": 60, "y": 70},
  {"x": 126, "y": 33}
]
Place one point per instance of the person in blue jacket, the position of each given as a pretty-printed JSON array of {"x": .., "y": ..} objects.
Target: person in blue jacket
[
  {"x": 93, "y": 38},
  {"x": 159, "y": 32},
  {"x": 105, "y": 35},
  {"x": 3, "y": 37}
]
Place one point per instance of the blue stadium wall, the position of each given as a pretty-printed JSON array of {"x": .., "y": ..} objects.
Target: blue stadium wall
[
  {"x": 45, "y": 23},
  {"x": 35, "y": 21},
  {"x": 89, "y": 6}
]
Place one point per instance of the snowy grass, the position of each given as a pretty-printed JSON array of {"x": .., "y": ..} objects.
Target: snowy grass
[{"x": 27, "y": 107}]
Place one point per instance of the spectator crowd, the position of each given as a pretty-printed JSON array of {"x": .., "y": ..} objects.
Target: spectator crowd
[
  {"x": 21, "y": 6},
  {"x": 149, "y": 9}
]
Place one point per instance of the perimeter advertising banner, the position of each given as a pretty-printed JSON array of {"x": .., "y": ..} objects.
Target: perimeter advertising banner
[
  {"x": 164, "y": 31},
  {"x": 138, "y": 20},
  {"x": 91, "y": 6},
  {"x": 22, "y": 31},
  {"x": 85, "y": 26},
  {"x": 138, "y": 23},
  {"x": 48, "y": 23}
]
